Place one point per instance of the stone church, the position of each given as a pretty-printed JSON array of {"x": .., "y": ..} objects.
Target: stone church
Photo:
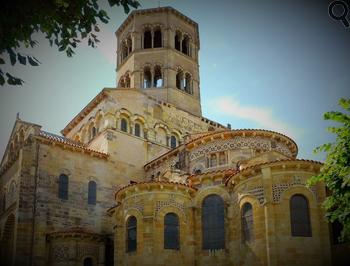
[{"x": 140, "y": 177}]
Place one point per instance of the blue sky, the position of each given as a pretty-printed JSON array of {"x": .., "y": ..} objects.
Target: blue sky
[{"x": 277, "y": 65}]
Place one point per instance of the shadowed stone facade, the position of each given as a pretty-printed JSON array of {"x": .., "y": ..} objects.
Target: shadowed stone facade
[{"x": 134, "y": 176}]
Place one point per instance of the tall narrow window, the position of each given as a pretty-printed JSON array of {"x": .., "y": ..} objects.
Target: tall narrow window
[
  {"x": 188, "y": 83},
  {"x": 157, "y": 38},
  {"x": 131, "y": 234},
  {"x": 213, "y": 160},
  {"x": 124, "y": 125},
  {"x": 179, "y": 80},
  {"x": 92, "y": 192},
  {"x": 93, "y": 132},
  {"x": 185, "y": 45},
  {"x": 213, "y": 223},
  {"x": 147, "y": 39},
  {"x": 147, "y": 78},
  {"x": 247, "y": 222},
  {"x": 63, "y": 187},
  {"x": 299, "y": 216},
  {"x": 127, "y": 80},
  {"x": 171, "y": 231},
  {"x": 137, "y": 130},
  {"x": 173, "y": 142},
  {"x": 158, "y": 80},
  {"x": 222, "y": 158},
  {"x": 177, "y": 42}
]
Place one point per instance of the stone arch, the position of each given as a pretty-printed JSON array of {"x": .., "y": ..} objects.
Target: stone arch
[
  {"x": 159, "y": 225},
  {"x": 8, "y": 240},
  {"x": 84, "y": 261},
  {"x": 314, "y": 215},
  {"x": 171, "y": 208},
  {"x": 222, "y": 192},
  {"x": 139, "y": 225},
  {"x": 299, "y": 189}
]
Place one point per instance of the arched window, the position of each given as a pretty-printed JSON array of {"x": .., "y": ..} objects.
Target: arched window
[
  {"x": 122, "y": 82},
  {"x": 185, "y": 45},
  {"x": 147, "y": 39},
  {"x": 127, "y": 80},
  {"x": 179, "y": 80},
  {"x": 63, "y": 187},
  {"x": 93, "y": 132},
  {"x": 157, "y": 38},
  {"x": 222, "y": 158},
  {"x": 247, "y": 222},
  {"x": 88, "y": 262},
  {"x": 129, "y": 44},
  {"x": 92, "y": 192},
  {"x": 171, "y": 231},
  {"x": 147, "y": 77},
  {"x": 137, "y": 130},
  {"x": 173, "y": 142},
  {"x": 213, "y": 225},
  {"x": 187, "y": 83},
  {"x": 213, "y": 160},
  {"x": 177, "y": 42},
  {"x": 131, "y": 234},
  {"x": 125, "y": 51},
  {"x": 299, "y": 216},
  {"x": 158, "y": 80},
  {"x": 123, "y": 125}
]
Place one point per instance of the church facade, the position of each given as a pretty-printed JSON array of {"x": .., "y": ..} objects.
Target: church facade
[{"x": 140, "y": 177}]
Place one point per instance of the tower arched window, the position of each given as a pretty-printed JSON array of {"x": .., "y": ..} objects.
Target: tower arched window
[
  {"x": 300, "y": 216},
  {"x": 147, "y": 77},
  {"x": 122, "y": 82},
  {"x": 63, "y": 186},
  {"x": 171, "y": 231},
  {"x": 178, "y": 41},
  {"x": 186, "y": 45},
  {"x": 247, "y": 222},
  {"x": 129, "y": 44},
  {"x": 173, "y": 142},
  {"x": 179, "y": 80},
  {"x": 157, "y": 38},
  {"x": 127, "y": 80},
  {"x": 92, "y": 191},
  {"x": 131, "y": 234},
  {"x": 158, "y": 79},
  {"x": 188, "y": 83},
  {"x": 124, "y": 125},
  {"x": 93, "y": 132},
  {"x": 137, "y": 130},
  {"x": 125, "y": 51},
  {"x": 213, "y": 160},
  {"x": 222, "y": 158},
  {"x": 213, "y": 223},
  {"x": 147, "y": 39}
]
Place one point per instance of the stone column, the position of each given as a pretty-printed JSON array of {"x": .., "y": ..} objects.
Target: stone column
[{"x": 269, "y": 218}]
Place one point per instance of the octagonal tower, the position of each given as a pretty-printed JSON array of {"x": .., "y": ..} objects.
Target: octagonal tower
[{"x": 158, "y": 54}]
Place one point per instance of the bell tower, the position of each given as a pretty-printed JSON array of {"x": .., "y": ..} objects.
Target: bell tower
[{"x": 158, "y": 54}]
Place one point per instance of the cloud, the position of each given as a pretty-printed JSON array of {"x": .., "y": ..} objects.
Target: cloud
[{"x": 261, "y": 116}]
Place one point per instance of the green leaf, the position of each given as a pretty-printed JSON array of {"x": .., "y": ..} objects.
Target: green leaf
[
  {"x": 32, "y": 62},
  {"x": 11, "y": 80},
  {"x": 22, "y": 59},
  {"x": 2, "y": 79}
]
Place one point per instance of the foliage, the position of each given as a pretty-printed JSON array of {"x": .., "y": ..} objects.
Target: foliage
[
  {"x": 63, "y": 22},
  {"x": 335, "y": 172}
]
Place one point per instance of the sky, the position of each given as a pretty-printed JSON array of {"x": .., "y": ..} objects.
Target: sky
[{"x": 276, "y": 65}]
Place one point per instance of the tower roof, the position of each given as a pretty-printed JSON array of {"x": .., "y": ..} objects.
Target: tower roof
[{"x": 166, "y": 9}]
